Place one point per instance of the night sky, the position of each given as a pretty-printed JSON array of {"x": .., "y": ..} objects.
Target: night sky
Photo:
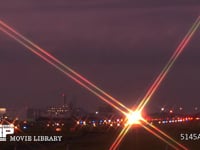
[{"x": 121, "y": 46}]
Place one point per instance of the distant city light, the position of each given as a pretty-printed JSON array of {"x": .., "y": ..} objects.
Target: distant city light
[
  {"x": 94, "y": 124},
  {"x": 58, "y": 129},
  {"x": 84, "y": 123},
  {"x": 2, "y": 110},
  {"x": 133, "y": 117}
]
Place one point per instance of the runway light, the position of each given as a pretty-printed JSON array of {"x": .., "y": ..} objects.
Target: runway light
[
  {"x": 134, "y": 117},
  {"x": 84, "y": 123},
  {"x": 197, "y": 118},
  {"x": 12, "y": 125},
  {"x": 58, "y": 129}
]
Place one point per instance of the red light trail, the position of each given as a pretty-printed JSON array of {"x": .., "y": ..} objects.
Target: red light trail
[
  {"x": 155, "y": 86},
  {"x": 160, "y": 134},
  {"x": 63, "y": 68},
  {"x": 169, "y": 65},
  {"x": 105, "y": 96}
]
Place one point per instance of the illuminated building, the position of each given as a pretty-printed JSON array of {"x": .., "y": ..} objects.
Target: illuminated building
[{"x": 59, "y": 112}]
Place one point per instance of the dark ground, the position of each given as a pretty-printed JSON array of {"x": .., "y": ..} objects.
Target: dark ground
[{"x": 100, "y": 139}]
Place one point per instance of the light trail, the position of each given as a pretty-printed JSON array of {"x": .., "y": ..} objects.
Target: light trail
[
  {"x": 120, "y": 137},
  {"x": 60, "y": 68},
  {"x": 153, "y": 130},
  {"x": 169, "y": 65},
  {"x": 85, "y": 81},
  {"x": 133, "y": 118},
  {"x": 158, "y": 81},
  {"x": 163, "y": 136},
  {"x": 94, "y": 89},
  {"x": 63, "y": 68}
]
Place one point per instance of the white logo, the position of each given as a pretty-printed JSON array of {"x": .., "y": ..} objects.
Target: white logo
[{"x": 5, "y": 130}]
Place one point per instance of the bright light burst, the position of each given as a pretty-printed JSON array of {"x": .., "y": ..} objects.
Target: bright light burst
[
  {"x": 135, "y": 117},
  {"x": 132, "y": 116}
]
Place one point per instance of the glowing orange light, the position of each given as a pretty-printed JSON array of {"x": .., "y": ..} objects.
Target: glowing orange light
[
  {"x": 12, "y": 125},
  {"x": 134, "y": 117},
  {"x": 58, "y": 129},
  {"x": 158, "y": 81}
]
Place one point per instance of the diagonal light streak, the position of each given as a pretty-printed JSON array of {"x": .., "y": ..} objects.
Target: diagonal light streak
[
  {"x": 120, "y": 137},
  {"x": 169, "y": 65},
  {"x": 162, "y": 135},
  {"x": 158, "y": 136},
  {"x": 97, "y": 91},
  {"x": 24, "y": 41},
  {"x": 153, "y": 130},
  {"x": 43, "y": 56},
  {"x": 158, "y": 81},
  {"x": 63, "y": 68}
]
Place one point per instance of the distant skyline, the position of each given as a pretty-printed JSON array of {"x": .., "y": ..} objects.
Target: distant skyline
[{"x": 119, "y": 46}]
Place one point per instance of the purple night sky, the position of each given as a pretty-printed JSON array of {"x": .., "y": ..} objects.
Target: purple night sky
[{"x": 121, "y": 46}]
